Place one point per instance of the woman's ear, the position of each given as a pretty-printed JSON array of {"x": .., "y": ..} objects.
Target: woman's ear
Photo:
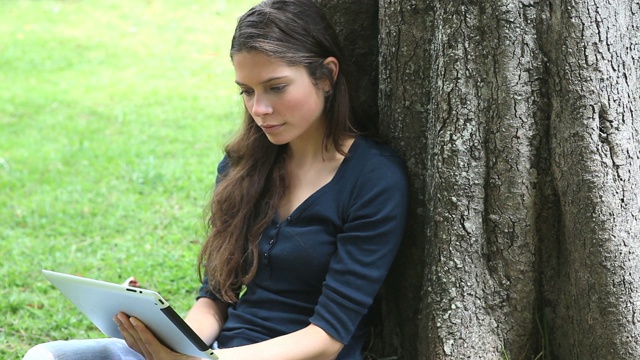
[{"x": 334, "y": 67}]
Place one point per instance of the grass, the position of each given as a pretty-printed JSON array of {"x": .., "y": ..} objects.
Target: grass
[{"x": 113, "y": 115}]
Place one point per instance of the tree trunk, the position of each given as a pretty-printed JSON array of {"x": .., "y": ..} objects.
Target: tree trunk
[
  {"x": 593, "y": 52},
  {"x": 519, "y": 125},
  {"x": 356, "y": 23}
]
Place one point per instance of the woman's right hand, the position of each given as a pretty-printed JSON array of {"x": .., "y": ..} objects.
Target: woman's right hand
[{"x": 142, "y": 340}]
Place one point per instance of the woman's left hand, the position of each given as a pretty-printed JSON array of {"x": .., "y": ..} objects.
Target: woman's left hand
[{"x": 140, "y": 339}]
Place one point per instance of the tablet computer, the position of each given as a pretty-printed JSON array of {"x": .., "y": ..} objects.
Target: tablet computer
[{"x": 100, "y": 301}]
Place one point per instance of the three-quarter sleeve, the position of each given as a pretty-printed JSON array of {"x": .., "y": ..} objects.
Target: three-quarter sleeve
[
  {"x": 374, "y": 225},
  {"x": 205, "y": 291}
]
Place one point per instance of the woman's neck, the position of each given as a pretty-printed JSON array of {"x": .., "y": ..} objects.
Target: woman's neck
[{"x": 310, "y": 152}]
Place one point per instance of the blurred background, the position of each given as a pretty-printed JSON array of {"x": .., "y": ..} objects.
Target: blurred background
[{"x": 113, "y": 116}]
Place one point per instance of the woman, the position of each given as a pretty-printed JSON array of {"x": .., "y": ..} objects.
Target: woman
[{"x": 307, "y": 214}]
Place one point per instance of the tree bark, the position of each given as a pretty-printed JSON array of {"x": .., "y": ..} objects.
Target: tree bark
[
  {"x": 593, "y": 56},
  {"x": 356, "y": 23},
  {"x": 518, "y": 122},
  {"x": 476, "y": 83}
]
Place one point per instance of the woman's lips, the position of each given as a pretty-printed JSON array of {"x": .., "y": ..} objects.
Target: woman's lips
[{"x": 269, "y": 128}]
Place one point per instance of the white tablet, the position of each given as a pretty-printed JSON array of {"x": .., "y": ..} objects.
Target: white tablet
[{"x": 101, "y": 301}]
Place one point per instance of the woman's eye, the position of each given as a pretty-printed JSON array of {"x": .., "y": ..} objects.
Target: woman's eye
[
  {"x": 278, "y": 88},
  {"x": 246, "y": 92}
]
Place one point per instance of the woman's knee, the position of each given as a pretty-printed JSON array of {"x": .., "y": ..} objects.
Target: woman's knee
[
  {"x": 97, "y": 349},
  {"x": 38, "y": 352}
]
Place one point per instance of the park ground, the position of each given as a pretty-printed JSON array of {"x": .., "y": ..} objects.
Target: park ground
[{"x": 113, "y": 116}]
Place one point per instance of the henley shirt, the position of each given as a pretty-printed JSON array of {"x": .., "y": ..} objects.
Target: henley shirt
[{"x": 325, "y": 263}]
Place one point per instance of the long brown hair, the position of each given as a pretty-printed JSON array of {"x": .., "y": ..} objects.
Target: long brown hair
[{"x": 297, "y": 33}]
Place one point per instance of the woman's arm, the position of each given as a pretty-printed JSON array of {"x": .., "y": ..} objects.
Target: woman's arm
[
  {"x": 206, "y": 318},
  {"x": 311, "y": 343}
]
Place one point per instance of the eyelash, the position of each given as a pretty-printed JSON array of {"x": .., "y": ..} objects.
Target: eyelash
[{"x": 275, "y": 89}]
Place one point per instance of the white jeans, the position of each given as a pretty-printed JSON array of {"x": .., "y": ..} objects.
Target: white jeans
[{"x": 94, "y": 349}]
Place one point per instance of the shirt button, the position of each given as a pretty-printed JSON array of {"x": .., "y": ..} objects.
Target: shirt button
[
  {"x": 271, "y": 241},
  {"x": 266, "y": 255}
]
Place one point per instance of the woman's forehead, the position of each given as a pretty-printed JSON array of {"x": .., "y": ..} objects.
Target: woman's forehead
[{"x": 255, "y": 68}]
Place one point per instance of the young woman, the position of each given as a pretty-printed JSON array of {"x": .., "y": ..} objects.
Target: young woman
[{"x": 307, "y": 214}]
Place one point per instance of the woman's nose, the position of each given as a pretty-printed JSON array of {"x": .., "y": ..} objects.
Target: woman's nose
[{"x": 261, "y": 106}]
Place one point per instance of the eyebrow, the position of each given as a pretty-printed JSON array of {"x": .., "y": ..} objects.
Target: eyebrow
[{"x": 265, "y": 81}]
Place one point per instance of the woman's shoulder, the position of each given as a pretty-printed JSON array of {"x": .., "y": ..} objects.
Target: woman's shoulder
[
  {"x": 375, "y": 161},
  {"x": 376, "y": 176},
  {"x": 369, "y": 150}
]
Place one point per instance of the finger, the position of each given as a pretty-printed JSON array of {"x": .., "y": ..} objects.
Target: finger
[
  {"x": 138, "y": 339},
  {"x": 156, "y": 349},
  {"x": 126, "y": 335},
  {"x": 131, "y": 335},
  {"x": 146, "y": 338},
  {"x": 123, "y": 330}
]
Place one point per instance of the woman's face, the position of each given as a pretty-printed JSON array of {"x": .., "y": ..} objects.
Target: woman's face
[{"x": 283, "y": 100}]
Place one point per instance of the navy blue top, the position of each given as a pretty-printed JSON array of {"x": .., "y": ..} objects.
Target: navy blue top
[{"x": 325, "y": 263}]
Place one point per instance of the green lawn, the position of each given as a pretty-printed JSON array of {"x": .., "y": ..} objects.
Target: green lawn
[{"x": 113, "y": 116}]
